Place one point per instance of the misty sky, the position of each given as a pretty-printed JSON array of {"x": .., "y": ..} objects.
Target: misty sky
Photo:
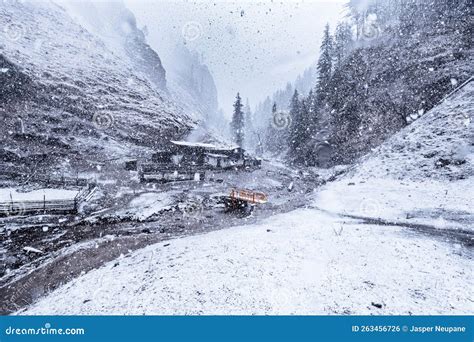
[{"x": 250, "y": 47}]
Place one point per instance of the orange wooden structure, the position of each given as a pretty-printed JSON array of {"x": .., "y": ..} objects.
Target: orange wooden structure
[{"x": 249, "y": 196}]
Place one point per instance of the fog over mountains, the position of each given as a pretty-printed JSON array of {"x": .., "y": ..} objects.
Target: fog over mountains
[{"x": 79, "y": 79}]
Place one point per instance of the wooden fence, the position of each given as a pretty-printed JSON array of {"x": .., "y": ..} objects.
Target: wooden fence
[{"x": 45, "y": 206}]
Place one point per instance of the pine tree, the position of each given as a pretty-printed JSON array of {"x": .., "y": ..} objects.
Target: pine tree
[
  {"x": 294, "y": 137},
  {"x": 276, "y": 140},
  {"x": 312, "y": 118},
  {"x": 325, "y": 64},
  {"x": 238, "y": 122},
  {"x": 342, "y": 42},
  {"x": 357, "y": 14},
  {"x": 249, "y": 127}
]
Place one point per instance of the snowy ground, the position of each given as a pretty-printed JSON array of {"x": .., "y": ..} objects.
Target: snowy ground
[
  {"x": 146, "y": 205},
  {"x": 7, "y": 194},
  {"x": 355, "y": 249},
  {"x": 303, "y": 262},
  {"x": 443, "y": 205}
]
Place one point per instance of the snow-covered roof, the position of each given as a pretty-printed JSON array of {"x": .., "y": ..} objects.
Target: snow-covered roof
[
  {"x": 215, "y": 155},
  {"x": 191, "y": 144},
  {"x": 205, "y": 145},
  {"x": 227, "y": 148}
]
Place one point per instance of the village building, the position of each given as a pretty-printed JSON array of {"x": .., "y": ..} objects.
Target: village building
[{"x": 189, "y": 160}]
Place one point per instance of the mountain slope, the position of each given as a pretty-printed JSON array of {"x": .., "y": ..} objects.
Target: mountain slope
[
  {"x": 64, "y": 92},
  {"x": 407, "y": 57},
  {"x": 191, "y": 83},
  {"x": 424, "y": 174},
  {"x": 117, "y": 28}
]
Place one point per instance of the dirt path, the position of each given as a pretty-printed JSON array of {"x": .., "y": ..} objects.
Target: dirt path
[{"x": 464, "y": 237}]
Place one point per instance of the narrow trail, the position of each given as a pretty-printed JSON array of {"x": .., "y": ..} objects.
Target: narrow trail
[{"x": 459, "y": 235}]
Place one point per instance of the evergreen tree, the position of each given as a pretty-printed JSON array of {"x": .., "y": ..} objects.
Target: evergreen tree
[
  {"x": 249, "y": 127},
  {"x": 325, "y": 64},
  {"x": 248, "y": 116},
  {"x": 312, "y": 117},
  {"x": 342, "y": 42},
  {"x": 295, "y": 134},
  {"x": 238, "y": 122},
  {"x": 357, "y": 14},
  {"x": 276, "y": 139}
]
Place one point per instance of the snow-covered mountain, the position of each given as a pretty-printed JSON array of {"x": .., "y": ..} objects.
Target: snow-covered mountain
[
  {"x": 117, "y": 28},
  {"x": 71, "y": 93},
  {"x": 187, "y": 80},
  {"x": 191, "y": 83}
]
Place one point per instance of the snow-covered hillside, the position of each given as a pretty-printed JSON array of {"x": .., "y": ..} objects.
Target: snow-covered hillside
[
  {"x": 117, "y": 27},
  {"x": 67, "y": 97},
  {"x": 423, "y": 174},
  {"x": 353, "y": 250},
  {"x": 191, "y": 83}
]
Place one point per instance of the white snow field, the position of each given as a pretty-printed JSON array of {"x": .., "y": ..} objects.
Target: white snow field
[
  {"x": 303, "y": 262},
  {"x": 7, "y": 194},
  {"x": 318, "y": 260},
  {"x": 146, "y": 205}
]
